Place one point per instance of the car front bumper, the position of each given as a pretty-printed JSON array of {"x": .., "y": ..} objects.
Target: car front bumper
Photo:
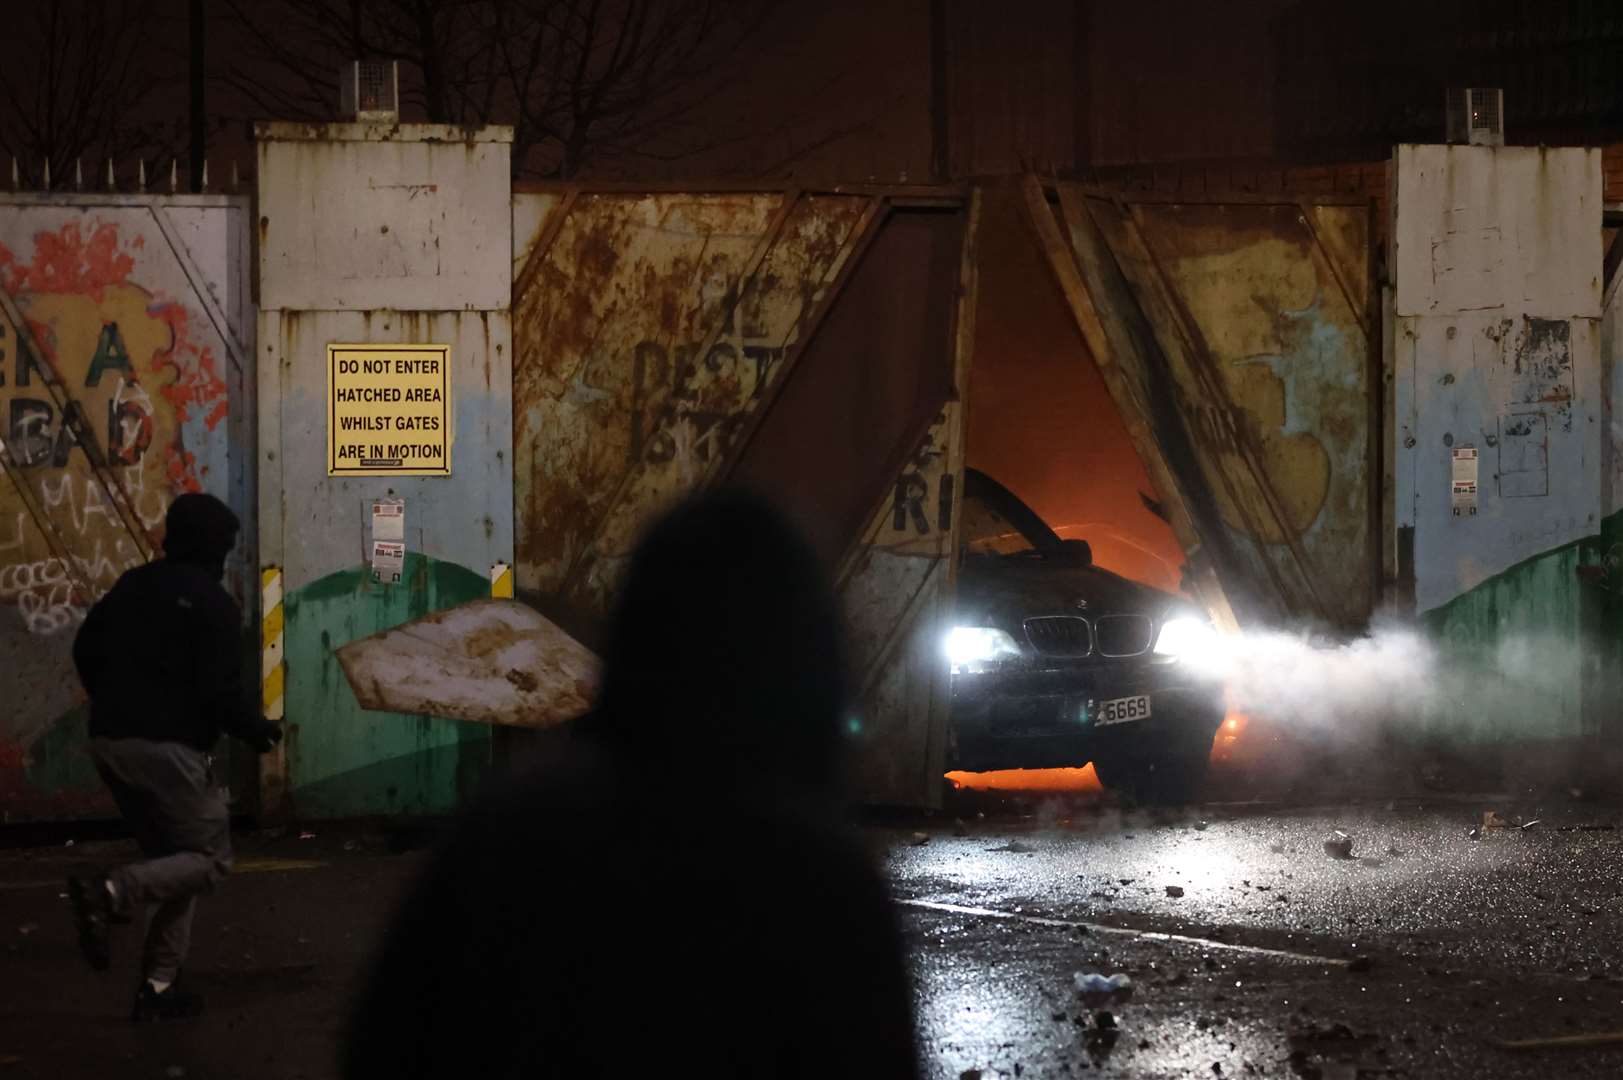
[{"x": 1047, "y": 719}]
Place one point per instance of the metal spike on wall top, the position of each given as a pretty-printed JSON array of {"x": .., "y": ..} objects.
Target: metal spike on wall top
[
  {"x": 204, "y": 187},
  {"x": 47, "y": 185},
  {"x": 16, "y": 178},
  {"x": 78, "y": 174},
  {"x": 234, "y": 176},
  {"x": 141, "y": 176},
  {"x": 174, "y": 175},
  {"x": 112, "y": 182}
]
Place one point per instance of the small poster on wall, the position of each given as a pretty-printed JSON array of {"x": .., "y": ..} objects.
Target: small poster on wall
[{"x": 388, "y": 561}]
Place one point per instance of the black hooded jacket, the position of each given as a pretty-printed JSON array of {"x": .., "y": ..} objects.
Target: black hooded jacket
[
  {"x": 161, "y": 654},
  {"x": 678, "y": 888}
]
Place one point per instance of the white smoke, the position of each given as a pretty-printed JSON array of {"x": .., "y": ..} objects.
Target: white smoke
[{"x": 1395, "y": 673}]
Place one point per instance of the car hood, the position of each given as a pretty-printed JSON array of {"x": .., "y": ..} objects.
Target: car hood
[{"x": 999, "y": 590}]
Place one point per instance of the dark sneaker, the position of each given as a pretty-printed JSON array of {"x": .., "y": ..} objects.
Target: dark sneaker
[
  {"x": 178, "y": 1002},
  {"x": 93, "y": 914}
]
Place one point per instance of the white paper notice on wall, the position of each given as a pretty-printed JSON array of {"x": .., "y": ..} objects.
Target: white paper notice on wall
[
  {"x": 1464, "y": 480},
  {"x": 388, "y": 561},
  {"x": 389, "y": 519}
]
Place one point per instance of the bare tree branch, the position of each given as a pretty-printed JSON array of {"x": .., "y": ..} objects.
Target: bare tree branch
[
  {"x": 81, "y": 79},
  {"x": 581, "y": 81}
]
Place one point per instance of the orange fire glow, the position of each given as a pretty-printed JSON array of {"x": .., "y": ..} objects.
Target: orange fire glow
[{"x": 1059, "y": 780}]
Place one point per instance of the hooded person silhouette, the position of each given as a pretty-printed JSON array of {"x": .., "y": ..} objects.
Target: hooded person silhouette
[
  {"x": 677, "y": 888},
  {"x": 162, "y": 657}
]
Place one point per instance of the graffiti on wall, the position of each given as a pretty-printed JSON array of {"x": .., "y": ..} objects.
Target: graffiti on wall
[{"x": 135, "y": 373}]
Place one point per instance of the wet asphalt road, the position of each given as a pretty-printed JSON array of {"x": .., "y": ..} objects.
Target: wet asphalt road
[
  {"x": 1426, "y": 947},
  {"x": 1413, "y": 958}
]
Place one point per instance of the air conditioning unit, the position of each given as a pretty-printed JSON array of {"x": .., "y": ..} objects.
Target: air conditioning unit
[
  {"x": 1476, "y": 116},
  {"x": 369, "y": 92}
]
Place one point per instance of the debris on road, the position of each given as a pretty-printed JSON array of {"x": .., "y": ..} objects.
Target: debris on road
[
  {"x": 1338, "y": 845},
  {"x": 26, "y": 929},
  {"x": 1202, "y": 826},
  {"x": 1175, "y": 891},
  {"x": 1099, "y": 989},
  {"x": 1015, "y": 846},
  {"x": 1491, "y": 820},
  {"x": 1530, "y": 824},
  {"x": 918, "y": 839},
  {"x": 307, "y": 836}
]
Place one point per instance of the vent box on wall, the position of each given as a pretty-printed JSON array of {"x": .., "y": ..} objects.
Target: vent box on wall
[
  {"x": 1476, "y": 116},
  {"x": 369, "y": 92}
]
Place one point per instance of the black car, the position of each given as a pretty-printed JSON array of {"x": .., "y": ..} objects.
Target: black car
[{"x": 1057, "y": 662}]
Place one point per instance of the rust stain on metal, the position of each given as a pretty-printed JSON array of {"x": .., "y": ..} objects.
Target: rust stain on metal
[
  {"x": 1265, "y": 332},
  {"x": 644, "y": 340}
]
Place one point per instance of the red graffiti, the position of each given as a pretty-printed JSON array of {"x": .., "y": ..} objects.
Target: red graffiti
[
  {"x": 181, "y": 467},
  {"x": 197, "y": 382},
  {"x": 65, "y": 262}
]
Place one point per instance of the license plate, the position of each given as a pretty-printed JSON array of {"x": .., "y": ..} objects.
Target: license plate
[{"x": 1122, "y": 710}]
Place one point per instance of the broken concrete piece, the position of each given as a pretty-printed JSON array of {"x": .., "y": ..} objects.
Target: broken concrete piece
[
  {"x": 1338, "y": 845},
  {"x": 489, "y": 661}
]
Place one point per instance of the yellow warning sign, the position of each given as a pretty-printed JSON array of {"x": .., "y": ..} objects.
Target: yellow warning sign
[{"x": 388, "y": 410}]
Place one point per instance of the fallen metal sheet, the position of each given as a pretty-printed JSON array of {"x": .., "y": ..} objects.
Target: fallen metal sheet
[{"x": 489, "y": 661}]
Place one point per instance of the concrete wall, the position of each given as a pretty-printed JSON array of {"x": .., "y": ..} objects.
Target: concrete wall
[
  {"x": 141, "y": 303},
  {"x": 379, "y": 235},
  {"x": 1496, "y": 263}
]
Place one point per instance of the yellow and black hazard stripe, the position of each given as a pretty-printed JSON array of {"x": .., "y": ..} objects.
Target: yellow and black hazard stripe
[{"x": 272, "y": 672}]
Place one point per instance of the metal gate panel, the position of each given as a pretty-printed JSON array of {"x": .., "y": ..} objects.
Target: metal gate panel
[
  {"x": 1250, "y": 361},
  {"x": 123, "y": 383},
  {"x": 865, "y": 447},
  {"x": 803, "y": 344},
  {"x": 651, "y": 332}
]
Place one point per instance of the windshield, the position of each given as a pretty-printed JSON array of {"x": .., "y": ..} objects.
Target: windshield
[
  {"x": 996, "y": 522},
  {"x": 987, "y": 532}
]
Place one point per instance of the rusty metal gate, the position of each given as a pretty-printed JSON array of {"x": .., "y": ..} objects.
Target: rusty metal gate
[
  {"x": 809, "y": 343},
  {"x": 1236, "y": 337},
  {"x": 123, "y": 352}
]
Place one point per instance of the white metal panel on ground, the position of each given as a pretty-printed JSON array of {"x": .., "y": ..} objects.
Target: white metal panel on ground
[
  {"x": 359, "y": 218},
  {"x": 491, "y": 661}
]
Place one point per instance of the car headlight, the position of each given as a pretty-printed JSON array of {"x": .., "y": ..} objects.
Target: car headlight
[
  {"x": 974, "y": 648},
  {"x": 1186, "y": 637}
]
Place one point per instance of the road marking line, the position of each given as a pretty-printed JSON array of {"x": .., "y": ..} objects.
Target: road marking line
[{"x": 1122, "y": 931}]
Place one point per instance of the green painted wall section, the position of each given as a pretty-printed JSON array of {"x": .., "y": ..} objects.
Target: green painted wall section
[
  {"x": 1535, "y": 652},
  {"x": 344, "y": 761},
  {"x": 58, "y": 762}
]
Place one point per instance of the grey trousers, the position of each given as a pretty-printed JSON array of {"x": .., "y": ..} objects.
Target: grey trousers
[{"x": 167, "y": 796}]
